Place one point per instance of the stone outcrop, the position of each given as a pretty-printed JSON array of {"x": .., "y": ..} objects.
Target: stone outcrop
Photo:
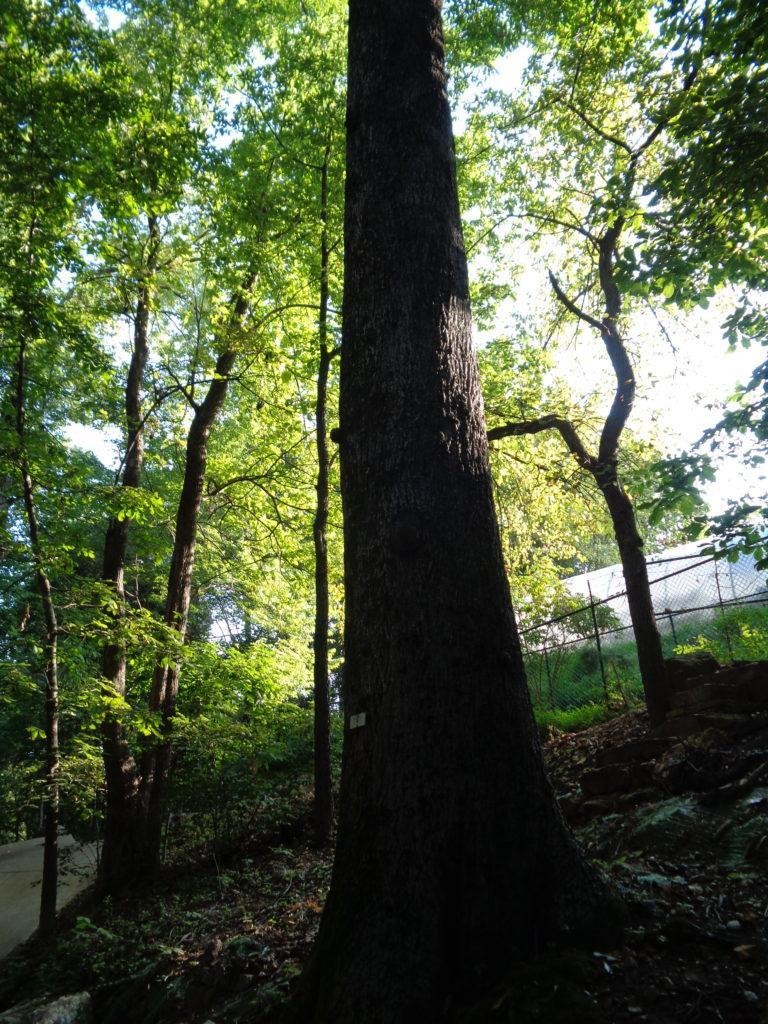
[
  {"x": 74, "y": 1009},
  {"x": 711, "y": 708}
]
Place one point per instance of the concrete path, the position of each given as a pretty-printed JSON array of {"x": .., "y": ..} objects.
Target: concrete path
[{"x": 21, "y": 868}]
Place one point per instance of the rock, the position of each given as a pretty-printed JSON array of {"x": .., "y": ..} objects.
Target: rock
[
  {"x": 743, "y": 844},
  {"x": 74, "y": 1009},
  {"x": 139, "y": 999},
  {"x": 637, "y": 796},
  {"x": 646, "y": 749},
  {"x": 598, "y": 807},
  {"x": 715, "y": 694},
  {"x": 670, "y": 770},
  {"x": 616, "y": 778},
  {"x": 670, "y": 824},
  {"x": 683, "y": 726},
  {"x": 609, "y": 779},
  {"x": 741, "y": 687},
  {"x": 685, "y": 667},
  {"x": 570, "y": 805}
]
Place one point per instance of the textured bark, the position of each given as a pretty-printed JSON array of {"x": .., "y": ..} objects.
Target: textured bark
[
  {"x": 452, "y": 857},
  {"x": 323, "y": 803},
  {"x": 120, "y": 856},
  {"x": 49, "y": 885}
]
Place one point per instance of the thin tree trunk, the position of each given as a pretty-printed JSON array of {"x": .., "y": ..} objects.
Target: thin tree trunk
[
  {"x": 48, "y": 890},
  {"x": 452, "y": 857},
  {"x": 165, "y": 680},
  {"x": 650, "y": 654},
  {"x": 323, "y": 804},
  {"x": 649, "y": 650},
  {"x": 604, "y": 469},
  {"x": 120, "y": 858}
]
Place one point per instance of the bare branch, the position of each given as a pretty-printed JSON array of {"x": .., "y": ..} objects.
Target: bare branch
[
  {"x": 544, "y": 218},
  {"x": 572, "y": 307},
  {"x": 613, "y": 139},
  {"x": 245, "y": 478},
  {"x": 564, "y": 427}
]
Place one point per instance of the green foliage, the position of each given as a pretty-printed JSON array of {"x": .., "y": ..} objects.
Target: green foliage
[
  {"x": 574, "y": 720},
  {"x": 740, "y": 635},
  {"x": 569, "y": 678},
  {"x": 178, "y": 154}
]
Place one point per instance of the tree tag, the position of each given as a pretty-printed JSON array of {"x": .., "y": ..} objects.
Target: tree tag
[{"x": 357, "y": 721}]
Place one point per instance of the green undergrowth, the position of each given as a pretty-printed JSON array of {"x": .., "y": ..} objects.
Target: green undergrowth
[
  {"x": 574, "y": 719},
  {"x": 570, "y": 679},
  {"x": 170, "y": 922}
]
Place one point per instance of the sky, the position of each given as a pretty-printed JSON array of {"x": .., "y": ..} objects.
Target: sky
[{"x": 680, "y": 393}]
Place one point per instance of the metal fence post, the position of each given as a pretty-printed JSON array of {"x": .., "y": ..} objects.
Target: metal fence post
[
  {"x": 722, "y": 612},
  {"x": 550, "y": 691},
  {"x": 597, "y": 641},
  {"x": 671, "y": 617}
]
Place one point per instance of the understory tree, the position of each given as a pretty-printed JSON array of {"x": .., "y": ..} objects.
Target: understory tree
[
  {"x": 598, "y": 109},
  {"x": 706, "y": 237},
  {"x": 603, "y": 465},
  {"x": 56, "y": 94},
  {"x": 300, "y": 91},
  {"x": 682, "y": 86}
]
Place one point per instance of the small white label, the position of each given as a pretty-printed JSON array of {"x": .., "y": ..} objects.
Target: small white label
[{"x": 357, "y": 721}]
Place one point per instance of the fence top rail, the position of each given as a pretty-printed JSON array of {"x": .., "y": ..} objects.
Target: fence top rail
[
  {"x": 623, "y": 593},
  {"x": 678, "y": 558},
  {"x": 737, "y": 602}
]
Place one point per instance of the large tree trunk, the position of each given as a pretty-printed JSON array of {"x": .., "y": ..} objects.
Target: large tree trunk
[
  {"x": 650, "y": 655},
  {"x": 165, "y": 681},
  {"x": 120, "y": 856},
  {"x": 452, "y": 857},
  {"x": 323, "y": 804},
  {"x": 47, "y": 920}
]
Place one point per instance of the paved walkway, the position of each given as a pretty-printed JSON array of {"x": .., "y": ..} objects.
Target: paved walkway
[{"x": 21, "y": 868}]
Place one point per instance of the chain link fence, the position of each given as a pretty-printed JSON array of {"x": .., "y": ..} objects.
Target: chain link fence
[{"x": 585, "y": 655}]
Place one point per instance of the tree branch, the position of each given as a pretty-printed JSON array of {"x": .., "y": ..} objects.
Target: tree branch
[
  {"x": 564, "y": 427},
  {"x": 571, "y": 306},
  {"x": 613, "y": 139}
]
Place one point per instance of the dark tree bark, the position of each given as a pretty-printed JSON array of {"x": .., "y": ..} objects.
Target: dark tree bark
[
  {"x": 323, "y": 802},
  {"x": 165, "y": 681},
  {"x": 120, "y": 857},
  {"x": 452, "y": 857},
  {"x": 136, "y": 793},
  {"x": 48, "y": 891},
  {"x": 604, "y": 468}
]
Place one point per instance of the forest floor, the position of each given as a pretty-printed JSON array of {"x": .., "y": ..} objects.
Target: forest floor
[{"x": 223, "y": 942}]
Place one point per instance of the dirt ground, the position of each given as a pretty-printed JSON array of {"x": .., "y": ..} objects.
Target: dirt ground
[{"x": 688, "y": 858}]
